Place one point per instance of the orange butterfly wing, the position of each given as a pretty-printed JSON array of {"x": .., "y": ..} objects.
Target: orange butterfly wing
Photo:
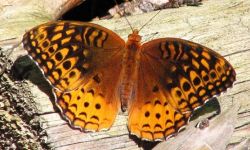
[
  {"x": 77, "y": 59},
  {"x": 175, "y": 77}
]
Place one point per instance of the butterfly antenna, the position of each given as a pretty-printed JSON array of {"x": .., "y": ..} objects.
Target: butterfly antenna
[
  {"x": 128, "y": 21},
  {"x": 124, "y": 15},
  {"x": 150, "y": 20}
]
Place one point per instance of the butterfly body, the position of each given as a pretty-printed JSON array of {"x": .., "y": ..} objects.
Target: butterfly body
[
  {"x": 94, "y": 73},
  {"x": 130, "y": 66}
]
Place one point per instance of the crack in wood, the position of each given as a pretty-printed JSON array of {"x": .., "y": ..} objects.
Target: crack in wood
[
  {"x": 242, "y": 126},
  {"x": 95, "y": 140},
  {"x": 242, "y": 82},
  {"x": 240, "y": 51},
  {"x": 46, "y": 113},
  {"x": 243, "y": 91}
]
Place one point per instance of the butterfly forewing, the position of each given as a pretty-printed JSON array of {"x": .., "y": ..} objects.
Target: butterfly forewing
[
  {"x": 78, "y": 58},
  {"x": 175, "y": 77},
  {"x": 67, "y": 52},
  {"x": 207, "y": 72}
]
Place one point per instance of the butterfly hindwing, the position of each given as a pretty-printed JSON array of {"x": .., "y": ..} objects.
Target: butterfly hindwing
[
  {"x": 175, "y": 77},
  {"x": 77, "y": 59}
]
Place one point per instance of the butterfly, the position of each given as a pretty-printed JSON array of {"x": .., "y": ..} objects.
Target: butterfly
[{"x": 94, "y": 74}]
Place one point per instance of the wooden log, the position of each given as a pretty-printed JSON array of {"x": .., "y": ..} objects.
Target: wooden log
[{"x": 223, "y": 25}]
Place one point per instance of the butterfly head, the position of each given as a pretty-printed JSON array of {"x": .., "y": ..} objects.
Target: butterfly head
[
  {"x": 134, "y": 37},
  {"x": 134, "y": 40}
]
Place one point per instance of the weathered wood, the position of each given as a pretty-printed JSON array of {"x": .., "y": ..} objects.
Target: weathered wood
[
  {"x": 18, "y": 16},
  {"x": 206, "y": 135},
  {"x": 223, "y": 25}
]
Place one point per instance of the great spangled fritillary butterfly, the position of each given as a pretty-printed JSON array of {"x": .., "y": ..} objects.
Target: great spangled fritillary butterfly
[{"x": 94, "y": 73}]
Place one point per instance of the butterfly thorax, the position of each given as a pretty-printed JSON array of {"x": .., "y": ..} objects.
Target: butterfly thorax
[{"x": 130, "y": 66}]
